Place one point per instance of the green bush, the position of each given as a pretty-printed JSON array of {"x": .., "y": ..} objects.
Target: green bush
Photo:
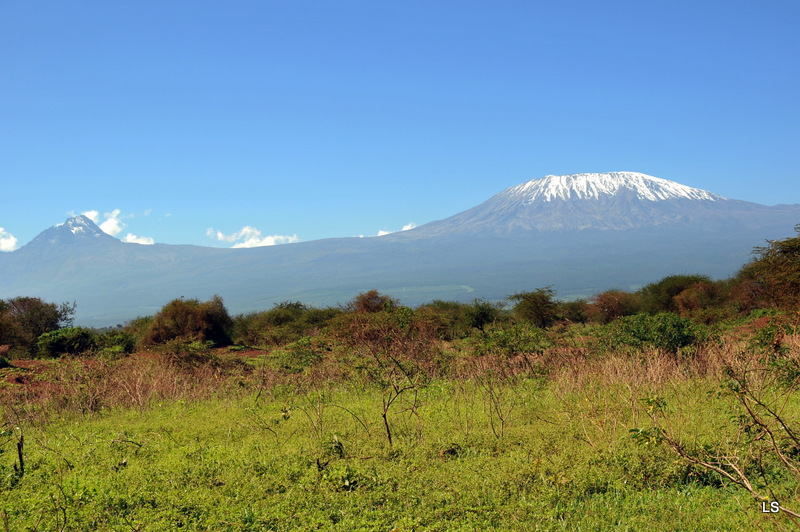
[
  {"x": 69, "y": 341},
  {"x": 285, "y": 323},
  {"x": 186, "y": 354},
  {"x": 115, "y": 344},
  {"x": 301, "y": 354},
  {"x": 450, "y": 319},
  {"x": 660, "y": 296},
  {"x": 518, "y": 339},
  {"x": 481, "y": 313},
  {"x": 666, "y": 331}
]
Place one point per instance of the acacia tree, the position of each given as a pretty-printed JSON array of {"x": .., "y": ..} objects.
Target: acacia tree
[
  {"x": 539, "y": 307},
  {"x": 776, "y": 270},
  {"x": 397, "y": 353}
]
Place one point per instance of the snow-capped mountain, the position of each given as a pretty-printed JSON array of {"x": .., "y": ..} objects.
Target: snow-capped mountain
[
  {"x": 596, "y": 186},
  {"x": 606, "y": 201},
  {"x": 77, "y": 230},
  {"x": 580, "y": 233}
]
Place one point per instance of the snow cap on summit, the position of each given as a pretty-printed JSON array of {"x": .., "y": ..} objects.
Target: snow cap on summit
[{"x": 587, "y": 186}]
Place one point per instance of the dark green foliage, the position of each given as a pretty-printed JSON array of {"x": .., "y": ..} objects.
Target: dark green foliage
[
  {"x": 24, "y": 319},
  {"x": 69, "y": 341},
  {"x": 660, "y": 296},
  {"x": 575, "y": 311},
  {"x": 137, "y": 329},
  {"x": 115, "y": 343},
  {"x": 514, "y": 340},
  {"x": 538, "y": 307},
  {"x": 190, "y": 320},
  {"x": 481, "y": 313},
  {"x": 301, "y": 354},
  {"x": 450, "y": 319},
  {"x": 666, "y": 331},
  {"x": 775, "y": 271},
  {"x": 285, "y": 323}
]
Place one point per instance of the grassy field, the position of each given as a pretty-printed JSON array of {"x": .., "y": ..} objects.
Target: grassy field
[{"x": 143, "y": 444}]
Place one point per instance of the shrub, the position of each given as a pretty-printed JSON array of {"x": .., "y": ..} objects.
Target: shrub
[
  {"x": 612, "y": 304},
  {"x": 450, "y": 319},
  {"x": 69, "y": 341},
  {"x": 285, "y": 323},
  {"x": 576, "y": 311},
  {"x": 187, "y": 354},
  {"x": 666, "y": 331},
  {"x": 115, "y": 343},
  {"x": 518, "y": 339},
  {"x": 190, "y": 320},
  {"x": 301, "y": 354},
  {"x": 660, "y": 296},
  {"x": 371, "y": 301},
  {"x": 481, "y": 313},
  {"x": 775, "y": 272}
]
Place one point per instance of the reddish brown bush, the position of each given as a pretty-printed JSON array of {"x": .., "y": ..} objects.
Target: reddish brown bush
[{"x": 190, "y": 320}]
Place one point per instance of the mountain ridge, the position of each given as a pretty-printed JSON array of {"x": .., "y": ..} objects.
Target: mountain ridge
[{"x": 579, "y": 245}]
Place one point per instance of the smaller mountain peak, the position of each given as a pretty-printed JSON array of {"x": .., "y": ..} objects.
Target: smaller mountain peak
[
  {"x": 598, "y": 185},
  {"x": 74, "y": 230},
  {"x": 81, "y": 225}
]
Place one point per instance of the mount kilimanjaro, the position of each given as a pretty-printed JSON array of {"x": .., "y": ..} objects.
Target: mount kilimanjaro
[{"x": 580, "y": 233}]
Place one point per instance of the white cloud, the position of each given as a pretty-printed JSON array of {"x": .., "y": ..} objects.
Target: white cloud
[
  {"x": 92, "y": 215},
  {"x": 112, "y": 225},
  {"x": 250, "y": 237},
  {"x": 133, "y": 239},
  {"x": 8, "y": 242},
  {"x": 410, "y": 225}
]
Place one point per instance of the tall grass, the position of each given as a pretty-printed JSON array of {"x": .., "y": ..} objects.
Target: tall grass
[{"x": 547, "y": 434}]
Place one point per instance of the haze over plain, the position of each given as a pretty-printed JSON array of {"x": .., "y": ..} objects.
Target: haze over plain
[{"x": 260, "y": 123}]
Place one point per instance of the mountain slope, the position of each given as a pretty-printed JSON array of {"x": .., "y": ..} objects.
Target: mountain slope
[
  {"x": 581, "y": 234},
  {"x": 609, "y": 201}
]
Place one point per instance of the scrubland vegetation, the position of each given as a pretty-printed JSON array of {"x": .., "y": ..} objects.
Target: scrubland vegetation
[{"x": 669, "y": 408}]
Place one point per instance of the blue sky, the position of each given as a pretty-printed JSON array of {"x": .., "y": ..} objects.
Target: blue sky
[{"x": 183, "y": 122}]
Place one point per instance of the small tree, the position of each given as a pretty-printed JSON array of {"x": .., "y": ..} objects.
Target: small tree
[
  {"x": 776, "y": 269},
  {"x": 24, "y": 319},
  {"x": 612, "y": 304},
  {"x": 538, "y": 307}
]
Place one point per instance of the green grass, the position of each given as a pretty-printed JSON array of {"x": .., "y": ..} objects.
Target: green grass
[{"x": 319, "y": 459}]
